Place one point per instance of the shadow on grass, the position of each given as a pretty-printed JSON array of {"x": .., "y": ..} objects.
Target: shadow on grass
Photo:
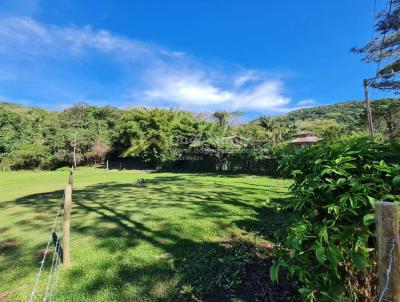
[{"x": 122, "y": 217}]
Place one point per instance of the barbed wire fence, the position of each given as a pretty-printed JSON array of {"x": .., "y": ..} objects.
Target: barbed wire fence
[{"x": 46, "y": 289}]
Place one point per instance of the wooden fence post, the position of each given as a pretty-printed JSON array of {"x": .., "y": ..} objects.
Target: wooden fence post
[
  {"x": 387, "y": 233},
  {"x": 66, "y": 225},
  {"x": 71, "y": 178}
]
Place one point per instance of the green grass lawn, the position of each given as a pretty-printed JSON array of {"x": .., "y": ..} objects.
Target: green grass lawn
[{"x": 129, "y": 242}]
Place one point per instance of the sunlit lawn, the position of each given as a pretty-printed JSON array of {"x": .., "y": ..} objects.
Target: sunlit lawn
[{"x": 127, "y": 238}]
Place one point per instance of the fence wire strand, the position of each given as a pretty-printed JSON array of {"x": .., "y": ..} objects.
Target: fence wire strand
[
  {"x": 43, "y": 261},
  {"x": 53, "y": 290},
  {"x": 53, "y": 269},
  {"x": 54, "y": 286},
  {"x": 388, "y": 271}
]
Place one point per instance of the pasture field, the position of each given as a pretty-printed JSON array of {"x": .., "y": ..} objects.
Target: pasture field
[{"x": 157, "y": 241}]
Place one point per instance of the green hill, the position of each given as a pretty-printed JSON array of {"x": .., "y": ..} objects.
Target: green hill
[{"x": 348, "y": 113}]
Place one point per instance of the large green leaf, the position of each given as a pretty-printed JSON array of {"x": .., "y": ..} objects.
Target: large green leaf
[
  {"x": 368, "y": 219},
  {"x": 274, "y": 271},
  {"x": 323, "y": 233},
  {"x": 320, "y": 253}
]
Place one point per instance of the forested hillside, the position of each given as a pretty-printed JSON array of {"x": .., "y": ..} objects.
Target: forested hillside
[
  {"x": 32, "y": 137},
  {"x": 347, "y": 113},
  {"x": 351, "y": 116}
]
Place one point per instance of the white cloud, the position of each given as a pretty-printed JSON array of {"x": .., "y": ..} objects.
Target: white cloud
[
  {"x": 28, "y": 36},
  {"x": 153, "y": 74},
  {"x": 175, "y": 54},
  {"x": 246, "y": 77},
  {"x": 190, "y": 89},
  {"x": 266, "y": 95},
  {"x": 183, "y": 88}
]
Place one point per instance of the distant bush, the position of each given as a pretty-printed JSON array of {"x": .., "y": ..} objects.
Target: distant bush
[
  {"x": 26, "y": 156},
  {"x": 331, "y": 244},
  {"x": 63, "y": 169}
]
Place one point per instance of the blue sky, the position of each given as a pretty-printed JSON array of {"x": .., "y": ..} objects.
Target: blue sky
[{"x": 259, "y": 57}]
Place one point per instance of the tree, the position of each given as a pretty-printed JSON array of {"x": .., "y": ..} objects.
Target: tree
[
  {"x": 324, "y": 127},
  {"x": 222, "y": 118},
  {"x": 33, "y": 138},
  {"x": 251, "y": 131},
  {"x": 278, "y": 128},
  {"x": 385, "y": 46},
  {"x": 88, "y": 124},
  {"x": 388, "y": 112},
  {"x": 158, "y": 136},
  {"x": 217, "y": 148},
  {"x": 226, "y": 120},
  {"x": 268, "y": 125},
  {"x": 100, "y": 150}
]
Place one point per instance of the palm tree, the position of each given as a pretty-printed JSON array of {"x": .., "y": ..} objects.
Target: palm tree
[{"x": 269, "y": 125}]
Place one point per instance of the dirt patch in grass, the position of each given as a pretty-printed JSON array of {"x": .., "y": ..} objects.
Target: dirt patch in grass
[
  {"x": 40, "y": 253},
  {"x": 4, "y": 297},
  {"x": 7, "y": 245},
  {"x": 234, "y": 270},
  {"x": 256, "y": 285}
]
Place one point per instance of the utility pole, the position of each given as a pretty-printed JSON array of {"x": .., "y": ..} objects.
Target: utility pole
[
  {"x": 368, "y": 110},
  {"x": 75, "y": 150}
]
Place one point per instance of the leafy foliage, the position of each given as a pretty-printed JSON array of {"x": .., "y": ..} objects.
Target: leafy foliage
[
  {"x": 386, "y": 115},
  {"x": 278, "y": 129},
  {"x": 348, "y": 114},
  {"x": 348, "y": 117},
  {"x": 335, "y": 188},
  {"x": 326, "y": 128},
  {"x": 37, "y": 138},
  {"x": 160, "y": 137}
]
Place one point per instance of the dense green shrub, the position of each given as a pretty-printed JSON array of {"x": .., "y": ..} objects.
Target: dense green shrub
[
  {"x": 27, "y": 156},
  {"x": 335, "y": 187}
]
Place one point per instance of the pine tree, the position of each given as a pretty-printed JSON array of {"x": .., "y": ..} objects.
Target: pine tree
[{"x": 385, "y": 46}]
